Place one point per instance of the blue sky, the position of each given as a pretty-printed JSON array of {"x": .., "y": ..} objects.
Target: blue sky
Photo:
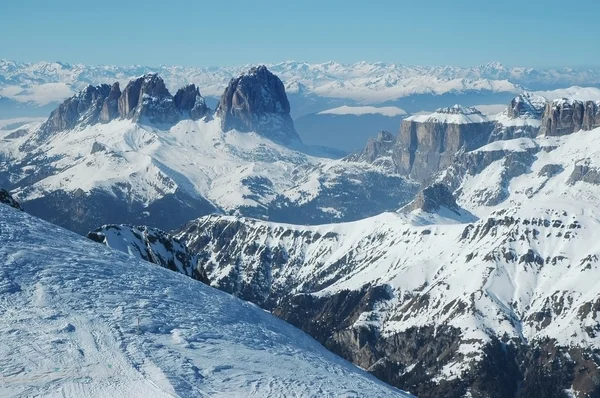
[{"x": 537, "y": 33}]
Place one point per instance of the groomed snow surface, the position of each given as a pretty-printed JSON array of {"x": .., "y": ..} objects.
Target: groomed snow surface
[{"x": 80, "y": 320}]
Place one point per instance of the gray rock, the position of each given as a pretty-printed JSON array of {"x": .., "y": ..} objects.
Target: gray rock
[
  {"x": 379, "y": 151},
  {"x": 110, "y": 107},
  {"x": 424, "y": 148},
  {"x": 83, "y": 108},
  {"x": 529, "y": 108},
  {"x": 585, "y": 172},
  {"x": 147, "y": 100},
  {"x": 565, "y": 116},
  {"x": 152, "y": 245},
  {"x": 256, "y": 102},
  {"x": 432, "y": 199},
  {"x": 189, "y": 101}
]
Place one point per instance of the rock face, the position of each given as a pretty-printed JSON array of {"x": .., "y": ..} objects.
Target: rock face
[
  {"x": 152, "y": 245},
  {"x": 566, "y": 116},
  {"x": 6, "y": 199},
  {"x": 522, "y": 118},
  {"x": 428, "y": 143},
  {"x": 432, "y": 199},
  {"x": 439, "y": 310},
  {"x": 83, "y": 108},
  {"x": 379, "y": 151},
  {"x": 188, "y": 100},
  {"x": 144, "y": 100},
  {"x": 256, "y": 101}
]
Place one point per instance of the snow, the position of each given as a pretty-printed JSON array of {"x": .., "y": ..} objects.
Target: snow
[
  {"x": 452, "y": 115},
  {"x": 389, "y": 111},
  {"x": 514, "y": 145},
  {"x": 194, "y": 156},
  {"x": 575, "y": 93},
  {"x": 78, "y": 319}
]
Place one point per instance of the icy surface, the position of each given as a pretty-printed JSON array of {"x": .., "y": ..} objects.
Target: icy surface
[
  {"x": 80, "y": 320},
  {"x": 364, "y": 110}
]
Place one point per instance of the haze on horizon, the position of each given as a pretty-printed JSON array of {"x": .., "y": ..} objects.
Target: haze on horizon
[{"x": 462, "y": 33}]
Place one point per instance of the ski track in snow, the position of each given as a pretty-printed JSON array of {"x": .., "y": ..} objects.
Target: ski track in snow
[{"x": 81, "y": 320}]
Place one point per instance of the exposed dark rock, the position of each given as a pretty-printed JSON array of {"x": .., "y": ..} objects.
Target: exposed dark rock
[
  {"x": 190, "y": 102},
  {"x": 7, "y": 199},
  {"x": 256, "y": 102},
  {"x": 584, "y": 171},
  {"x": 82, "y": 109},
  {"x": 144, "y": 100},
  {"x": 523, "y": 115},
  {"x": 379, "y": 151},
  {"x": 152, "y": 245},
  {"x": 110, "y": 107},
  {"x": 565, "y": 116},
  {"x": 426, "y": 147},
  {"x": 147, "y": 100},
  {"x": 432, "y": 198}
]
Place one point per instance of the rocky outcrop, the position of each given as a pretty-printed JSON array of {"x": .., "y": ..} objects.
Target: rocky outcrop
[
  {"x": 432, "y": 199},
  {"x": 188, "y": 100},
  {"x": 522, "y": 118},
  {"x": 152, "y": 245},
  {"x": 428, "y": 143},
  {"x": 110, "y": 107},
  {"x": 566, "y": 116},
  {"x": 145, "y": 99},
  {"x": 586, "y": 171},
  {"x": 7, "y": 199},
  {"x": 378, "y": 151},
  {"x": 256, "y": 102},
  {"x": 83, "y": 108}
]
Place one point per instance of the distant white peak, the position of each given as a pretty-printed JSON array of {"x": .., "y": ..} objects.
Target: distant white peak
[
  {"x": 389, "y": 111},
  {"x": 458, "y": 110},
  {"x": 295, "y": 87},
  {"x": 574, "y": 93},
  {"x": 456, "y": 114}
]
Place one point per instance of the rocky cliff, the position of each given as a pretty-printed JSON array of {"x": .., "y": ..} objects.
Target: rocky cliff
[
  {"x": 566, "y": 116},
  {"x": 256, "y": 101},
  {"x": 428, "y": 143},
  {"x": 522, "y": 118},
  {"x": 144, "y": 100},
  {"x": 152, "y": 245},
  {"x": 7, "y": 199}
]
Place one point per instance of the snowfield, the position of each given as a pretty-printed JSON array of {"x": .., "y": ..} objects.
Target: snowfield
[{"x": 80, "y": 320}]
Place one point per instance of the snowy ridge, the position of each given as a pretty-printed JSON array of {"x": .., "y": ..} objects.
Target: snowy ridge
[
  {"x": 81, "y": 320},
  {"x": 365, "y": 82},
  {"x": 364, "y": 110},
  {"x": 453, "y": 115}
]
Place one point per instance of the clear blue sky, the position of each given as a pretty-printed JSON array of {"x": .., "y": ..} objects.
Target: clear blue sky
[{"x": 533, "y": 33}]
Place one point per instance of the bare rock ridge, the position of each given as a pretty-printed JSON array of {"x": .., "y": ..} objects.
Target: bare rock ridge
[
  {"x": 432, "y": 199},
  {"x": 6, "y": 199},
  {"x": 152, "y": 245},
  {"x": 145, "y": 100},
  {"x": 256, "y": 101},
  {"x": 427, "y": 144},
  {"x": 566, "y": 116}
]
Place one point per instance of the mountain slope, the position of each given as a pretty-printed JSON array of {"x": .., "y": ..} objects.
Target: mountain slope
[
  {"x": 82, "y": 320},
  {"x": 142, "y": 156},
  {"x": 431, "y": 299}
]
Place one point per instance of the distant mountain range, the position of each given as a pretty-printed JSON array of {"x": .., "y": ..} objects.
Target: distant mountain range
[{"x": 43, "y": 83}]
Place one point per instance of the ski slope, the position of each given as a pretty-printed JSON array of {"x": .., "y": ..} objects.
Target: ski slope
[{"x": 80, "y": 320}]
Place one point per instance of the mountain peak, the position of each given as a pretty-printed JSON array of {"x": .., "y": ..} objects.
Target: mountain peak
[{"x": 256, "y": 102}]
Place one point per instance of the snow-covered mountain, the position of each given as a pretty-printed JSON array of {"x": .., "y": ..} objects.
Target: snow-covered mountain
[
  {"x": 82, "y": 320},
  {"x": 431, "y": 299},
  {"x": 313, "y": 87},
  {"x": 142, "y": 156}
]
